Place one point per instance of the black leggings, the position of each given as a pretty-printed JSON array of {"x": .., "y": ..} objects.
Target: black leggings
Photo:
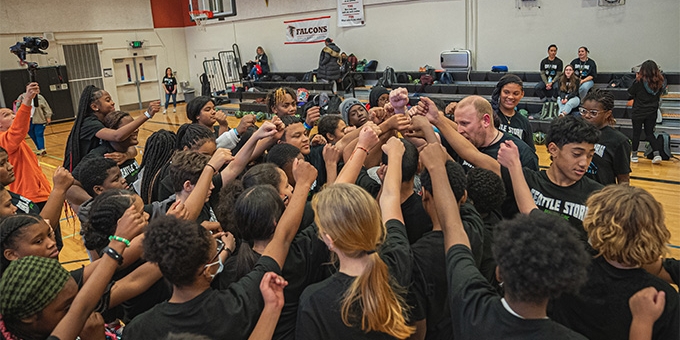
[{"x": 649, "y": 123}]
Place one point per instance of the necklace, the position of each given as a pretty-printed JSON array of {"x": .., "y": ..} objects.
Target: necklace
[
  {"x": 507, "y": 118},
  {"x": 495, "y": 139}
]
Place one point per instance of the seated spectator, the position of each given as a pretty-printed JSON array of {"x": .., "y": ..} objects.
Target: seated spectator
[
  {"x": 507, "y": 94},
  {"x": 586, "y": 70},
  {"x": 551, "y": 69},
  {"x": 262, "y": 61},
  {"x": 568, "y": 86}
]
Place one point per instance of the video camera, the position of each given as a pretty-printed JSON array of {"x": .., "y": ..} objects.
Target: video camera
[{"x": 30, "y": 45}]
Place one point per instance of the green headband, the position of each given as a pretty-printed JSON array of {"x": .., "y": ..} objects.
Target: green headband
[{"x": 29, "y": 284}]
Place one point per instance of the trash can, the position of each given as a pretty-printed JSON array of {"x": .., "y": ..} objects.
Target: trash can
[{"x": 188, "y": 91}]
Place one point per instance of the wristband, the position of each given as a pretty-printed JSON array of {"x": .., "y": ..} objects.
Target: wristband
[
  {"x": 147, "y": 114},
  {"x": 113, "y": 254},
  {"x": 363, "y": 148},
  {"x": 210, "y": 165},
  {"x": 307, "y": 127},
  {"x": 236, "y": 133},
  {"x": 120, "y": 239}
]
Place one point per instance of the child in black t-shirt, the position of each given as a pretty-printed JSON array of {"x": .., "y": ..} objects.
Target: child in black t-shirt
[
  {"x": 538, "y": 258},
  {"x": 170, "y": 87},
  {"x": 359, "y": 301}
]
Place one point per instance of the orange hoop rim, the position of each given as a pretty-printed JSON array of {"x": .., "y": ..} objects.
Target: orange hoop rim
[{"x": 194, "y": 14}]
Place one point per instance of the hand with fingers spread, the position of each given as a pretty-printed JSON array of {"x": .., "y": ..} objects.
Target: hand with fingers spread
[
  {"x": 154, "y": 107},
  {"x": 246, "y": 122},
  {"x": 32, "y": 90},
  {"x": 178, "y": 210},
  {"x": 427, "y": 108},
  {"x": 508, "y": 155},
  {"x": 433, "y": 155},
  {"x": 62, "y": 179},
  {"x": 399, "y": 99},
  {"x": 313, "y": 115},
  {"x": 304, "y": 173},
  {"x": 368, "y": 138},
  {"x": 131, "y": 224}
]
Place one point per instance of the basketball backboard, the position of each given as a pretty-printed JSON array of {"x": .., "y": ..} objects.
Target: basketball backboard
[{"x": 219, "y": 8}]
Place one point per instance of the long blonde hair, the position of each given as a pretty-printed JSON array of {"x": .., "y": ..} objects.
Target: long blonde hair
[
  {"x": 351, "y": 218},
  {"x": 626, "y": 224}
]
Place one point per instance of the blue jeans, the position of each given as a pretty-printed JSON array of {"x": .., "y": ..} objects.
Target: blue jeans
[
  {"x": 174, "y": 99},
  {"x": 37, "y": 134},
  {"x": 253, "y": 73},
  {"x": 584, "y": 88},
  {"x": 569, "y": 106}
]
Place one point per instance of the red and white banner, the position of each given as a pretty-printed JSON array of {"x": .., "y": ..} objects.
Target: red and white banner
[
  {"x": 307, "y": 31},
  {"x": 350, "y": 13}
]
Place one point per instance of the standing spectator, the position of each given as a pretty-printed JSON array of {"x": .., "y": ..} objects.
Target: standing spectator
[
  {"x": 329, "y": 62},
  {"x": 504, "y": 99},
  {"x": 170, "y": 90},
  {"x": 551, "y": 68},
  {"x": 40, "y": 116},
  {"x": 567, "y": 86},
  {"x": 646, "y": 91},
  {"x": 586, "y": 69},
  {"x": 260, "y": 66}
]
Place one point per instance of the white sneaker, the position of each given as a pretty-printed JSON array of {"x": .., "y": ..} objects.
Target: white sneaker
[
  {"x": 634, "y": 158},
  {"x": 174, "y": 110},
  {"x": 656, "y": 160},
  {"x": 165, "y": 111}
]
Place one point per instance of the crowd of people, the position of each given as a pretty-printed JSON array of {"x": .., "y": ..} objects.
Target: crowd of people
[{"x": 431, "y": 221}]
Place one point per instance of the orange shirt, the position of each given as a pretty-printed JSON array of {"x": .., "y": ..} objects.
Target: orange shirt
[{"x": 30, "y": 180}]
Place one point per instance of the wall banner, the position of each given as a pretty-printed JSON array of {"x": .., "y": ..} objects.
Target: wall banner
[
  {"x": 350, "y": 13},
  {"x": 307, "y": 31}
]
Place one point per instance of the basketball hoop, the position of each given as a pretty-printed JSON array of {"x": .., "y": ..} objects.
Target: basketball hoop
[{"x": 200, "y": 18}]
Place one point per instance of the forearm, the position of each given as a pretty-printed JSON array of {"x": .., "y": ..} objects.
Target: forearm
[
  {"x": 240, "y": 161},
  {"x": 523, "y": 197},
  {"x": 588, "y": 78},
  {"x": 447, "y": 209},
  {"x": 123, "y": 132},
  {"x": 623, "y": 179},
  {"x": 196, "y": 199},
  {"x": 640, "y": 330},
  {"x": 331, "y": 172},
  {"x": 288, "y": 225},
  {"x": 19, "y": 129},
  {"x": 465, "y": 149},
  {"x": 135, "y": 283},
  {"x": 350, "y": 171},
  {"x": 264, "y": 329},
  {"x": 76, "y": 194},
  {"x": 262, "y": 146},
  {"x": 52, "y": 209}
]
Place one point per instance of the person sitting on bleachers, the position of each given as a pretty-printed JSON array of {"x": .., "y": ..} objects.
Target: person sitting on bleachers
[
  {"x": 568, "y": 85},
  {"x": 507, "y": 94},
  {"x": 551, "y": 68},
  {"x": 586, "y": 69}
]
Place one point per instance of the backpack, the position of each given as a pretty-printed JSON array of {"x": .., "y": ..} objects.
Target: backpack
[
  {"x": 205, "y": 85},
  {"x": 446, "y": 78},
  {"x": 277, "y": 77},
  {"x": 625, "y": 81},
  {"x": 402, "y": 78},
  {"x": 307, "y": 77},
  {"x": 388, "y": 78},
  {"x": 361, "y": 66},
  {"x": 425, "y": 80},
  {"x": 549, "y": 111},
  {"x": 290, "y": 79},
  {"x": 353, "y": 61},
  {"x": 371, "y": 66},
  {"x": 499, "y": 68},
  {"x": 665, "y": 140}
]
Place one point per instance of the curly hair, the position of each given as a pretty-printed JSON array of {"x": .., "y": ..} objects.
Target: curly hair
[
  {"x": 276, "y": 96},
  {"x": 605, "y": 98},
  {"x": 539, "y": 257},
  {"x": 195, "y": 106},
  {"x": 112, "y": 120},
  {"x": 186, "y": 166},
  {"x": 485, "y": 189},
  {"x": 11, "y": 229},
  {"x": 282, "y": 154},
  {"x": 626, "y": 224},
  {"x": 571, "y": 129},
  {"x": 93, "y": 171},
  {"x": 193, "y": 136},
  {"x": 456, "y": 176},
  {"x": 651, "y": 74},
  {"x": 106, "y": 209},
  {"x": 180, "y": 248}
]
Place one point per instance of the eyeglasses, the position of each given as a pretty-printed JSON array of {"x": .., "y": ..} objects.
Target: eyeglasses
[
  {"x": 593, "y": 113},
  {"x": 220, "y": 249}
]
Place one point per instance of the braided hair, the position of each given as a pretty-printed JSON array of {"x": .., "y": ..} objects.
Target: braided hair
[
  {"x": 192, "y": 136},
  {"x": 496, "y": 95},
  {"x": 157, "y": 152},
  {"x": 106, "y": 210},
  {"x": 72, "y": 156},
  {"x": 10, "y": 231},
  {"x": 604, "y": 97},
  {"x": 278, "y": 95}
]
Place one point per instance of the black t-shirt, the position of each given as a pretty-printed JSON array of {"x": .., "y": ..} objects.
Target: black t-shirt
[
  {"x": 170, "y": 83},
  {"x": 478, "y": 313},
  {"x": 526, "y": 155},
  {"x": 518, "y": 126},
  {"x": 550, "y": 69},
  {"x": 367, "y": 183},
  {"x": 566, "y": 202},
  {"x": 612, "y": 157},
  {"x": 307, "y": 263},
  {"x": 230, "y": 313},
  {"x": 430, "y": 287},
  {"x": 600, "y": 310},
  {"x": 645, "y": 100},
  {"x": 319, "y": 315},
  {"x": 416, "y": 219},
  {"x": 24, "y": 205},
  {"x": 584, "y": 68},
  {"x": 315, "y": 158},
  {"x": 88, "y": 138},
  {"x": 672, "y": 266},
  {"x": 129, "y": 169},
  {"x": 488, "y": 264}
]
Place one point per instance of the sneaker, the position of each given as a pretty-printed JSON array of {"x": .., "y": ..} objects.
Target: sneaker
[
  {"x": 656, "y": 160},
  {"x": 634, "y": 158},
  {"x": 41, "y": 152},
  {"x": 165, "y": 111},
  {"x": 174, "y": 110}
]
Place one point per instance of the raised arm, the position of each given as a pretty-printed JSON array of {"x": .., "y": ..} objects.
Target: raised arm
[
  {"x": 646, "y": 306},
  {"x": 277, "y": 249},
  {"x": 119, "y": 135},
  {"x": 271, "y": 288},
  {"x": 434, "y": 159},
  {"x": 196, "y": 199},
  {"x": 244, "y": 155},
  {"x": 62, "y": 180},
  {"x": 390, "y": 197},
  {"x": 366, "y": 141},
  {"x": 508, "y": 156},
  {"x": 264, "y": 144},
  {"x": 17, "y": 131}
]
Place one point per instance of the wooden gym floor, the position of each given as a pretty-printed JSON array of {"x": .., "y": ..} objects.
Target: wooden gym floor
[{"x": 663, "y": 181}]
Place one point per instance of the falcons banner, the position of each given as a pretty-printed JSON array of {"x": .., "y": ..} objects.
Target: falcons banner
[{"x": 307, "y": 31}]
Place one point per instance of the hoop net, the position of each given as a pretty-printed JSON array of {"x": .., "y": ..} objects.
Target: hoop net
[{"x": 200, "y": 18}]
